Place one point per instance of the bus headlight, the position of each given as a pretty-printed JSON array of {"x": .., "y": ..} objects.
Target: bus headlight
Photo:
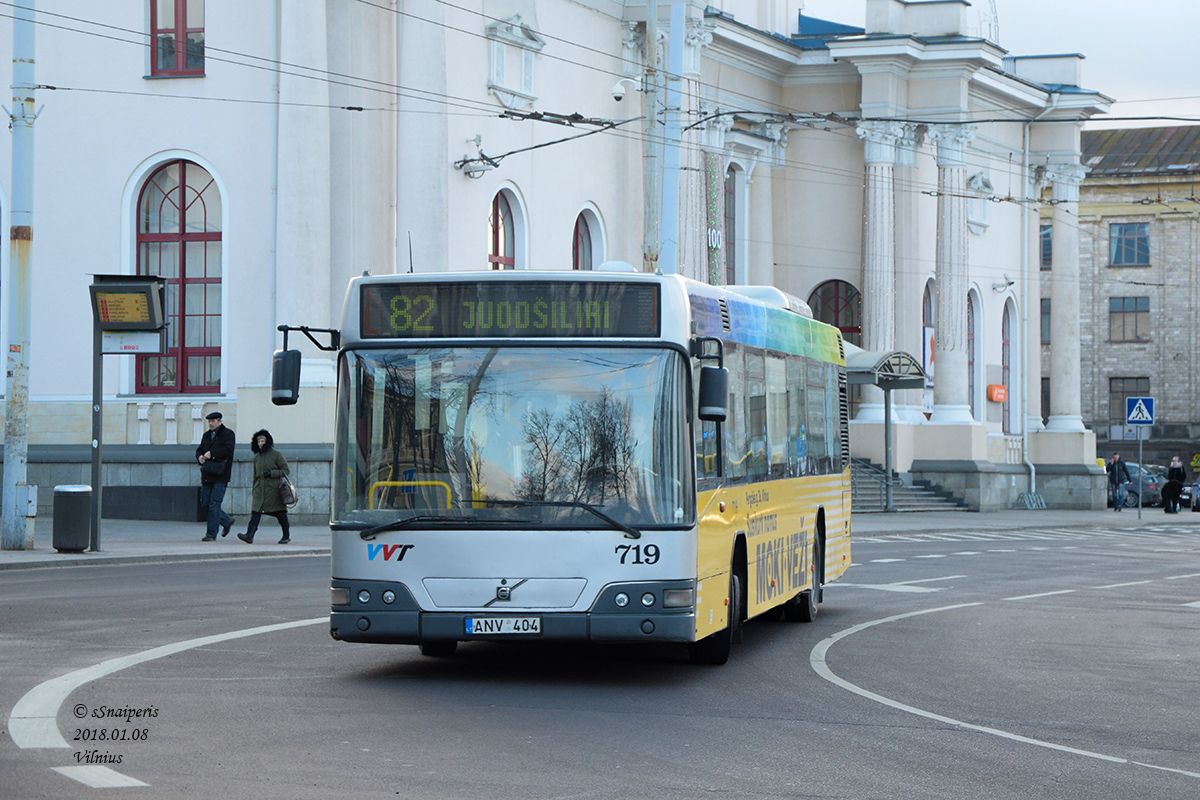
[
  {"x": 339, "y": 595},
  {"x": 621, "y": 599},
  {"x": 364, "y": 596},
  {"x": 389, "y": 597},
  {"x": 648, "y": 599},
  {"x": 677, "y": 598}
]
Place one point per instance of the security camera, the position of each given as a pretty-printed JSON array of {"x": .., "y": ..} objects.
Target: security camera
[{"x": 618, "y": 91}]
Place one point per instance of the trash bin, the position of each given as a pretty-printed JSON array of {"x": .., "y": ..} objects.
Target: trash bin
[{"x": 72, "y": 518}]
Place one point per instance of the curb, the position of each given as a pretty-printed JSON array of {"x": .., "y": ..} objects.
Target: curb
[{"x": 83, "y": 560}]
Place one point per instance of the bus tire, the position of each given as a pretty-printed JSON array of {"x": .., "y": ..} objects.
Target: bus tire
[
  {"x": 714, "y": 649},
  {"x": 438, "y": 648},
  {"x": 804, "y": 608}
]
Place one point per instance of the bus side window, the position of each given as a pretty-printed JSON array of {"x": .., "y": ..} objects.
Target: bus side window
[
  {"x": 706, "y": 434},
  {"x": 756, "y": 417},
  {"x": 797, "y": 432},
  {"x": 777, "y": 417},
  {"x": 817, "y": 443},
  {"x": 737, "y": 450}
]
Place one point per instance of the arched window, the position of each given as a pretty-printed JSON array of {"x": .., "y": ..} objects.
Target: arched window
[
  {"x": 839, "y": 304},
  {"x": 927, "y": 305},
  {"x": 1006, "y": 363},
  {"x": 581, "y": 244},
  {"x": 179, "y": 238},
  {"x": 501, "y": 234},
  {"x": 972, "y": 358},
  {"x": 730, "y": 226}
]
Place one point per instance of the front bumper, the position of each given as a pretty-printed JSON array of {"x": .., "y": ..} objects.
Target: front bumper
[{"x": 403, "y": 622}]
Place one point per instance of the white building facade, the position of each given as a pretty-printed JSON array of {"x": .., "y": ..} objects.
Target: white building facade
[{"x": 259, "y": 153}]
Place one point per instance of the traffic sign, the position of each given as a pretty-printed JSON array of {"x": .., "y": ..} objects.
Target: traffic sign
[{"x": 1139, "y": 410}]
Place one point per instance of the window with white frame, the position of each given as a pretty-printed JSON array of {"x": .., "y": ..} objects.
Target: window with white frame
[
  {"x": 980, "y": 188},
  {"x": 512, "y": 47}
]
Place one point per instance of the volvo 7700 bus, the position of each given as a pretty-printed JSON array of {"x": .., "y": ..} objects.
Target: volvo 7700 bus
[{"x": 601, "y": 456}]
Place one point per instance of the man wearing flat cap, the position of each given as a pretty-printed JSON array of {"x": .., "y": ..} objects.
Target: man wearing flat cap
[{"x": 215, "y": 457}]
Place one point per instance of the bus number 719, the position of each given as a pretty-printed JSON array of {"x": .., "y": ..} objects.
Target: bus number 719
[{"x": 641, "y": 555}]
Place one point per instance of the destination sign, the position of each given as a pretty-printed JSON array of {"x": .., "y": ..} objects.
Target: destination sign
[{"x": 519, "y": 309}]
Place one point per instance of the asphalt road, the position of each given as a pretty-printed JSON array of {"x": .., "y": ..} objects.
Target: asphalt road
[{"x": 1013, "y": 665}]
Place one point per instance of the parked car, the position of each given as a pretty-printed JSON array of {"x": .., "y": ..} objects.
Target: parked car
[{"x": 1151, "y": 485}]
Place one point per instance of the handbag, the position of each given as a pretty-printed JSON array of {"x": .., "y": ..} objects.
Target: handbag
[
  {"x": 213, "y": 468},
  {"x": 287, "y": 493}
]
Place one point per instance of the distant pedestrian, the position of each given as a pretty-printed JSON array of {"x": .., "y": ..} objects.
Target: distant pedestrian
[
  {"x": 1118, "y": 477},
  {"x": 270, "y": 470},
  {"x": 1176, "y": 476},
  {"x": 215, "y": 457}
]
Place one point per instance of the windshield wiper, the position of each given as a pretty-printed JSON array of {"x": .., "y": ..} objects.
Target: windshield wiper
[
  {"x": 630, "y": 532},
  {"x": 404, "y": 522}
]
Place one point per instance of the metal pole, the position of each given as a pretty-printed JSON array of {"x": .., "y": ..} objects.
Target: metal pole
[
  {"x": 97, "y": 432},
  {"x": 669, "y": 256},
  {"x": 17, "y": 523},
  {"x": 887, "y": 445},
  {"x": 651, "y": 233},
  {"x": 1141, "y": 463}
]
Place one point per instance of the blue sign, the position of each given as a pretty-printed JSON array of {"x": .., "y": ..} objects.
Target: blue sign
[{"x": 1139, "y": 410}]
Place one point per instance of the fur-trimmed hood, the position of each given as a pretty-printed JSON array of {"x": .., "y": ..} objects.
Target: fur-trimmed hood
[{"x": 254, "y": 448}]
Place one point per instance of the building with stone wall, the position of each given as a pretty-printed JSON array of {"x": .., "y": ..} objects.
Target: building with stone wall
[
  {"x": 259, "y": 153},
  {"x": 1139, "y": 244}
]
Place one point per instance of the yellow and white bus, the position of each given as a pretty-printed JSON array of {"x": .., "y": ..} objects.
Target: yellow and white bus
[{"x": 604, "y": 456}]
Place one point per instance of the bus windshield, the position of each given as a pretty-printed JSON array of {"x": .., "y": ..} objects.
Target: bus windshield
[{"x": 432, "y": 434}]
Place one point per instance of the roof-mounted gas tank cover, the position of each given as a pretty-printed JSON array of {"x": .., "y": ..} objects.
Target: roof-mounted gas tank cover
[{"x": 774, "y": 297}]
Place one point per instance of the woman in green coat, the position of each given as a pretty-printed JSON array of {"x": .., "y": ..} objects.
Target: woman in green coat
[{"x": 270, "y": 468}]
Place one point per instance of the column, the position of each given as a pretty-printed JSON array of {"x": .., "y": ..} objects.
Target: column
[
  {"x": 879, "y": 250},
  {"x": 951, "y": 403},
  {"x": 303, "y": 250},
  {"x": 1065, "y": 402},
  {"x": 910, "y": 271},
  {"x": 1032, "y": 297}
]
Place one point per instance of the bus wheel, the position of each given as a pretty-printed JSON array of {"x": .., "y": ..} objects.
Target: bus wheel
[
  {"x": 715, "y": 649},
  {"x": 438, "y": 648},
  {"x": 804, "y": 607}
]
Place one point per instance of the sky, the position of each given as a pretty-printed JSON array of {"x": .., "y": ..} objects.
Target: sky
[{"x": 1138, "y": 52}]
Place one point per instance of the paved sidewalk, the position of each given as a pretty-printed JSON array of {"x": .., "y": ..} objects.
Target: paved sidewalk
[{"x": 132, "y": 541}]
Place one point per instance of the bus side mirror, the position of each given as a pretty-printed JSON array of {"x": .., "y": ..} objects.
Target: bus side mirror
[
  {"x": 714, "y": 391},
  {"x": 285, "y": 377}
]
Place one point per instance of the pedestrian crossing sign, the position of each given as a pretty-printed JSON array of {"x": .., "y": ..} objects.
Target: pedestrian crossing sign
[{"x": 1139, "y": 410}]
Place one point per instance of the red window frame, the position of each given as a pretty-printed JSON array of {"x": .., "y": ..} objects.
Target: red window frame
[
  {"x": 839, "y": 304},
  {"x": 581, "y": 247},
  {"x": 1006, "y": 364},
  {"x": 187, "y": 59},
  {"x": 971, "y": 357},
  {"x": 501, "y": 235},
  {"x": 189, "y": 276}
]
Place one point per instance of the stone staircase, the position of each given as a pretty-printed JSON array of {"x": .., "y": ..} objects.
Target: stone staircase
[{"x": 869, "y": 484}]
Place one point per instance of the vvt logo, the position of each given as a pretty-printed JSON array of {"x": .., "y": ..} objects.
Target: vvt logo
[{"x": 388, "y": 550}]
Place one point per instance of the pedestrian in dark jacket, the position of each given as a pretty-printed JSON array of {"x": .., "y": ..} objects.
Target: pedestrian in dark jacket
[
  {"x": 1118, "y": 477},
  {"x": 215, "y": 457},
  {"x": 1176, "y": 476},
  {"x": 270, "y": 468}
]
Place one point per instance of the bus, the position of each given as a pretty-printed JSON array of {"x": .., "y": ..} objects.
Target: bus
[{"x": 599, "y": 456}]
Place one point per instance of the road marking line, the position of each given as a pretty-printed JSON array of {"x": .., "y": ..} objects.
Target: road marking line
[
  {"x": 33, "y": 720},
  {"x": 1122, "y": 585},
  {"x": 817, "y": 659},
  {"x": 1181, "y": 577},
  {"x": 1168, "y": 769},
  {"x": 969, "y": 553},
  {"x": 931, "y": 555},
  {"x": 1042, "y": 594},
  {"x": 1193, "y": 605},
  {"x": 885, "y": 560},
  {"x": 900, "y": 586},
  {"x": 98, "y": 777}
]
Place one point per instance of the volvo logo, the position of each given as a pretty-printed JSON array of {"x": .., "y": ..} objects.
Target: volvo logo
[{"x": 504, "y": 592}]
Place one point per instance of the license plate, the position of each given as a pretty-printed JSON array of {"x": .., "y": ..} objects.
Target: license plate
[{"x": 479, "y": 626}]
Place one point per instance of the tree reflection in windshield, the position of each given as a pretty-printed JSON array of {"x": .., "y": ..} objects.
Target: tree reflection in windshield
[{"x": 439, "y": 431}]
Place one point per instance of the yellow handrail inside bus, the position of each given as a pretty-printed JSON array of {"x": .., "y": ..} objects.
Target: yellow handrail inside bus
[{"x": 377, "y": 484}]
